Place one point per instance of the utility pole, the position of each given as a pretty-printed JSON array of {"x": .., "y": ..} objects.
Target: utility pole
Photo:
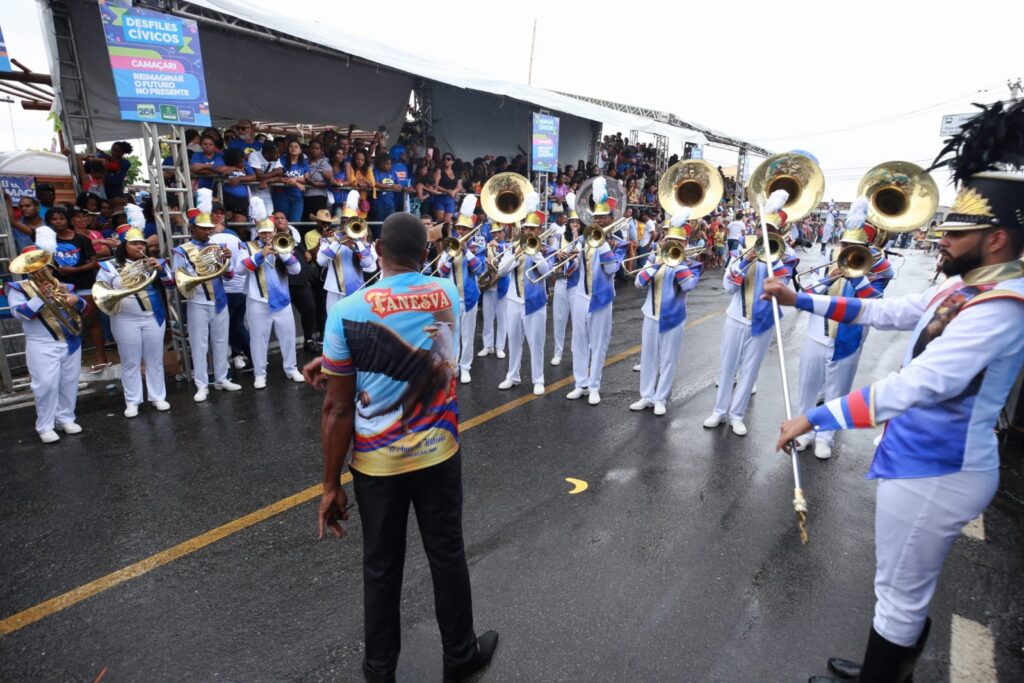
[{"x": 533, "y": 42}]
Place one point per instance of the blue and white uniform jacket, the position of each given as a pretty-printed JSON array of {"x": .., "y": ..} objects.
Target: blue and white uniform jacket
[
  {"x": 211, "y": 292},
  {"x": 267, "y": 283},
  {"x": 745, "y": 281},
  {"x": 463, "y": 270},
  {"x": 149, "y": 301},
  {"x": 343, "y": 276},
  {"x": 39, "y": 324},
  {"x": 522, "y": 289},
  {"x": 666, "y": 290}
]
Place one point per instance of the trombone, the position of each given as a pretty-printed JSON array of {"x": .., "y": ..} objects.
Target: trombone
[
  {"x": 453, "y": 246},
  {"x": 670, "y": 254},
  {"x": 776, "y": 252},
  {"x": 853, "y": 261},
  {"x": 595, "y": 235}
]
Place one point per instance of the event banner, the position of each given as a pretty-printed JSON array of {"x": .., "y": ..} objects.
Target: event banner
[
  {"x": 18, "y": 186},
  {"x": 545, "y": 143},
  {"x": 5, "y": 60},
  {"x": 157, "y": 65}
]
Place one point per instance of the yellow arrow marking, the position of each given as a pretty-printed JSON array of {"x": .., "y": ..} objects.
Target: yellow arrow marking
[{"x": 578, "y": 485}]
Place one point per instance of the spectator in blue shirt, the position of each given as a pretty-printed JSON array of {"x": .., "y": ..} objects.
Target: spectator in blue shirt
[
  {"x": 236, "y": 171},
  {"x": 383, "y": 205},
  {"x": 117, "y": 168},
  {"x": 403, "y": 178},
  {"x": 289, "y": 199},
  {"x": 245, "y": 138},
  {"x": 204, "y": 163}
]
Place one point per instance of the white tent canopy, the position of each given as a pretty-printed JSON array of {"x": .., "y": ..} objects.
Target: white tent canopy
[{"x": 256, "y": 75}]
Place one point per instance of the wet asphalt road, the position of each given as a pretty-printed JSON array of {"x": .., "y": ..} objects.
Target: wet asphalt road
[{"x": 681, "y": 562}]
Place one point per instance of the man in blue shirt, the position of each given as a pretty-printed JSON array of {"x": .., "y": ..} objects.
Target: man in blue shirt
[
  {"x": 399, "y": 159},
  {"x": 388, "y": 365},
  {"x": 383, "y": 205}
]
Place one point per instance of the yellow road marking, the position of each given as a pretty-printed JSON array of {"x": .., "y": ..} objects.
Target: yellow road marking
[
  {"x": 72, "y": 597},
  {"x": 578, "y": 485}
]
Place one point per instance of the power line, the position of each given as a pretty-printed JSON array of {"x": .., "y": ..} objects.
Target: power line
[{"x": 876, "y": 122}]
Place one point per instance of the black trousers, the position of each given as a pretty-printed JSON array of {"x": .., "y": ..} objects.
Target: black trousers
[
  {"x": 238, "y": 333},
  {"x": 436, "y": 496}
]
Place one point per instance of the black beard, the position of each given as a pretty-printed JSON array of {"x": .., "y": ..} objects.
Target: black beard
[{"x": 962, "y": 264}]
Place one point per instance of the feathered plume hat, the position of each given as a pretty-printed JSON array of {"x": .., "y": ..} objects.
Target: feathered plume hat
[
  {"x": 202, "y": 214},
  {"x": 258, "y": 215},
  {"x": 774, "y": 216},
  {"x": 534, "y": 218},
  {"x": 677, "y": 226},
  {"x": 467, "y": 211},
  {"x": 137, "y": 223},
  {"x": 351, "y": 208},
  {"x": 570, "y": 206},
  {"x": 979, "y": 157},
  {"x": 603, "y": 204},
  {"x": 858, "y": 231}
]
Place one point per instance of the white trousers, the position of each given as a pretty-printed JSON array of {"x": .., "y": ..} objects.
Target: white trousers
[
  {"x": 744, "y": 352},
  {"x": 494, "y": 316},
  {"x": 659, "y": 352},
  {"x": 259, "y": 320},
  {"x": 532, "y": 327},
  {"x": 140, "y": 340},
  {"x": 54, "y": 374},
  {"x": 591, "y": 333},
  {"x": 916, "y": 523},
  {"x": 468, "y": 324},
  {"x": 819, "y": 375},
  {"x": 332, "y": 298},
  {"x": 561, "y": 305},
  {"x": 208, "y": 329}
]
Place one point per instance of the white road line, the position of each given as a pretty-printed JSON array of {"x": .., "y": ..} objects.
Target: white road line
[
  {"x": 971, "y": 652},
  {"x": 975, "y": 528}
]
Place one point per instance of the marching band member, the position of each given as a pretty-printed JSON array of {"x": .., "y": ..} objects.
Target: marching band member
[
  {"x": 139, "y": 325},
  {"x": 53, "y": 354},
  {"x": 748, "y": 324},
  {"x": 566, "y": 279},
  {"x": 269, "y": 300},
  {"x": 592, "y": 305},
  {"x": 937, "y": 464},
  {"x": 526, "y": 305},
  {"x": 493, "y": 298},
  {"x": 831, "y": 353},
  {"x": 207, "y": 309},
  {"x": 345, "y": 259},
  {"x": 464, "y": 269},
  {"x": 664, "y": 312}
]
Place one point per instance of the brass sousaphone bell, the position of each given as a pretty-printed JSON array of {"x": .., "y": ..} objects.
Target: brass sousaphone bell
[
  {"x": 503, "y": 197},
  {"x": 901, "y": 196},
  {"x": 797, "y": 174},
  {"x": 693, "y": 184}
]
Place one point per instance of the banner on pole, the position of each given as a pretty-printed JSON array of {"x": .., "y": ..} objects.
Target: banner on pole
[
  {"x": 545, "y": 143},
  {"x": 157, "y": 65},
  {"x": 5, "y": 60}
]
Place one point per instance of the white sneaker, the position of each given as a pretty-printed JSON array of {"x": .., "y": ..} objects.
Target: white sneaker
[
  {"x": 822, "y": 450},
  {"x": 753, "y": 389},
  {"x": 484, "y": 353},
  {"x": 507, "y": 384},
  {"x": 260, "y": 382},
  {"x": 49, "y": 436},
  {"x": 227, "y": 385},
  {"x": 576, "y": 393},
  {"x": 642, "y": 404},
  {"x": 803, "y": 441},
  {"x": 594, "y": 398},
  {"x": 738, "y": 428},
  {"x": 238, "y": 362},
  {"x": 70, "y": 428},
  {"x": 659, "y": 408},
  {"x": 878, "y": 440},
  {"x": 465, "y": 378},
  {"x": 499, "y": 353},
  {"x": 131, "y": 410},
  {"x": 557, "y": 360},
  {"x": 637, "y": 367},
  {"x": 538, "y": 389},
  {"x": 714, "y": 420},
  {"x": 161, "y": 405},
  {"x": 201, "y": 395},
  {"x": 296, "y": 376}
]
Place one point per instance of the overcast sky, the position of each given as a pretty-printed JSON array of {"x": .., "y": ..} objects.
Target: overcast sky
[{"x": 855, "y": 83}]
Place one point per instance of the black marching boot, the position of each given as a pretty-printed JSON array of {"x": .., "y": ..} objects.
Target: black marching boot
[
  {"x": 884, "y": 662},
  {"x": 485, "y": 645}
]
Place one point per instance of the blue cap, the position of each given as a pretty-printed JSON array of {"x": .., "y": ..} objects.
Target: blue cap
[{"x": 396, "y": 152}]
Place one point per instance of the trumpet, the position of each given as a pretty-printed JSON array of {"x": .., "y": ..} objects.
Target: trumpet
[
  {"x": 282, "y": 243},
  {"x": 853, "y": 261},
  {"x": 36, "y": 265},
  {"x": 670, "y": 254},
  {"x": 209, "y": 264},
  {"x": 776, "y": 252},
  {"x": 563, "y": 257},
  {"x": 595, "y": 235},
  {"x": 135, "y": 277}
]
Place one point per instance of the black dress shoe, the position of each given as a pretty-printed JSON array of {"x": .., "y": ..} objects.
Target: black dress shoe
[
  {"x": 844, "y": 669},
  {"x": 884, "y": 662},
  {"x": 485, "y": 646}
]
